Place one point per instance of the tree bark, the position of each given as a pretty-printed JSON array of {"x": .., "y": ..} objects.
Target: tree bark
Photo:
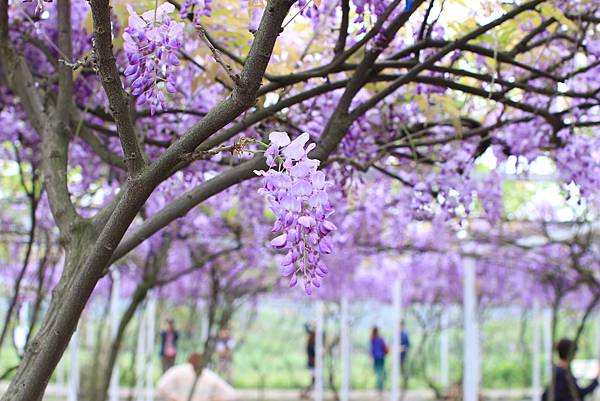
[{"x": 45, "y": 350}]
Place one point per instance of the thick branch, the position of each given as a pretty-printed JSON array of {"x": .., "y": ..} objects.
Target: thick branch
[
  {"x": 340, "y": 45},
  {"x": 242, "y": 97},
  {"x": 65, "y": 74},
  {"x": 111, "y": 82},
  {"x": 187, "y": 201},
  {"x": 340, "y": 120},
  {"x": 55, "y": 136}
]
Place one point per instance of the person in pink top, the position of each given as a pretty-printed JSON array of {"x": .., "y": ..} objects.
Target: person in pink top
[{"x": 168, "y": 345}]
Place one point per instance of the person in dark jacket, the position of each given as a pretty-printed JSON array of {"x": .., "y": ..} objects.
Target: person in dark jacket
[
  {"x": 404, "y": 346},
  {"x": 168, "y": 345},
  {"x": 310, "y": 356},
  {"x": 566, "y": 387},
  {"x": 378, "y": 352}
]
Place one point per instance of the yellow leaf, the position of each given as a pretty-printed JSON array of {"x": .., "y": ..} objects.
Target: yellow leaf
[
  {"x": 549, "y": 11},
  {"x": 447, "y": 105},
  {"x": 317, "y": 2},
  {"x": 88, "y": 23},
  {"x": 422, "y": 102}
]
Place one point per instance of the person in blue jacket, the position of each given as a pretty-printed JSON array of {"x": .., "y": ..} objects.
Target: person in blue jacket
[
  {"x": 404, "y": 346},
  {"x": 378, "y": 350}
]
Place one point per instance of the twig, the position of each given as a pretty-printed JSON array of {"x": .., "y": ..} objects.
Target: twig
[
  {"x": 295, "y": 15},
  {"x": 198, "y": 154},
  {"x": 89, "y": 61},
  {"x": 217, "y": 56}
]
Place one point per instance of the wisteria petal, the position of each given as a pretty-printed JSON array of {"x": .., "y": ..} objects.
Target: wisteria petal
[
  {"x": 295, "y": 150},
  {"x": 280, "y": 241},
  {"x": 280, "y": 139}
]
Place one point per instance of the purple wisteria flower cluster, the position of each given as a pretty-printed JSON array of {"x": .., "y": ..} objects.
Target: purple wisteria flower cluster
[
  {"x": 151, "y": 42},
  {"x": 297, "y": 194}
]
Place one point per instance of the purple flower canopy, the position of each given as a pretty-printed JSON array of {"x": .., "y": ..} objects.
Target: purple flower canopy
[{"x": 401, "y": 200}]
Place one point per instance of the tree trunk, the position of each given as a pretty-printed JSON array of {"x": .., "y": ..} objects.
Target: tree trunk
[
  {"x": 47, "y": 347},
  {"x": 90, "y": 246}
]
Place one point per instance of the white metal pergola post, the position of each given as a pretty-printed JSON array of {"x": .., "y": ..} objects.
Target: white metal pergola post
[
  {"x": 73, "y": 389},
  {"x": 24, "y": 314},
  {"x": 547, "y": 317},
  {"x": 204, "y": 323},
  {"x": 536, "y": 380},
  {"x": 140, "y": 358},
  {"x": 395, "y": 349},
  {"x": 86, "y": 323},
  {"x": 22, "y": 329},
  {"x": 318, "y": 390},
  {"x": 471, "y": 333},
  {"x": 444, "y": 349},
  {"x": 345, "y": 384},
  {"x": 113, "y": 392},
  {"x": 61, "y": 373},
  {"x": 3, "y": 303},
  {"x": 150, "y": 333},
  {"x": 597, "y": 335}
]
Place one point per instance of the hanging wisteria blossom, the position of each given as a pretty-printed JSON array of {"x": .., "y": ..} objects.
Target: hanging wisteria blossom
[
  {"x": 297, "y": 194},
  {"x": 151, "y": 42}
]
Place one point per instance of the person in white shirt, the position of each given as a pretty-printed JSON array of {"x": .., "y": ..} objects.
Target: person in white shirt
[{"x": 178, "y": 382}]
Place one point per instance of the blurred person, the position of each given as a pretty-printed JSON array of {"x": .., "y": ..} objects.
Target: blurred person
[
  {"x": 168, "y": 345},
  {"x": 378, "y": 350},
  {"x": 224, "y": 349},
  {"x": 310, "y": 356},
  {"x": 404, "y": 346},
  {"x": 566, "y": 387},
  {"x": 178, "y": 382}
]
